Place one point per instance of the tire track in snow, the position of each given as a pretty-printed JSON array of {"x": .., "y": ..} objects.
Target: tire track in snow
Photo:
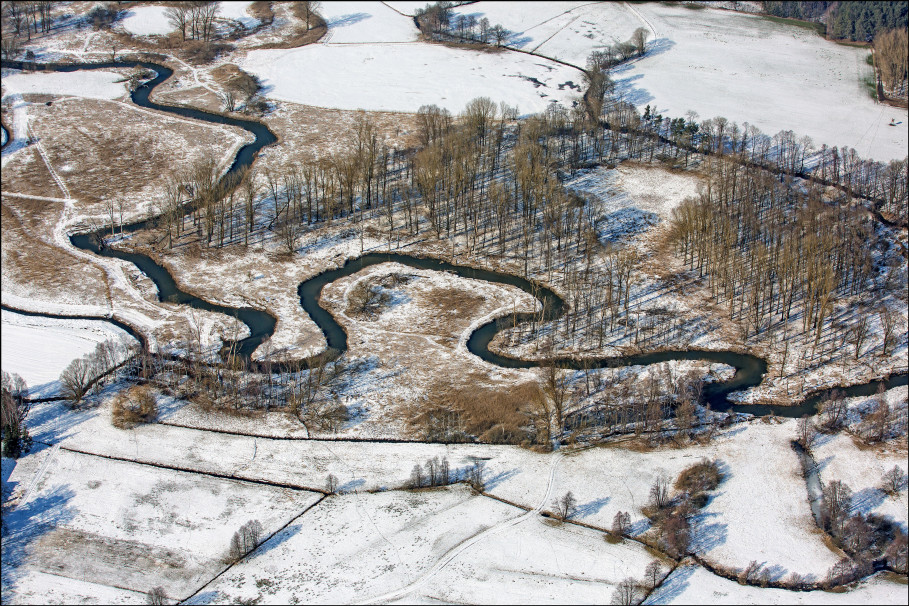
[
  {"x": 643, "y": 19},
  {"x": 469, "y": 542},
  {"x": 39, "y": 474}
]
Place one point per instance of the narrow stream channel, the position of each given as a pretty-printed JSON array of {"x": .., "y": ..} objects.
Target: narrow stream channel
[{"x": 749, "y": 369}]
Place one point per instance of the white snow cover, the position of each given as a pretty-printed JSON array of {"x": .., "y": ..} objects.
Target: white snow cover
[
  {"x": 148, "y": 526},
  {"x": 776, "y": 77},
  {"x": 236, "y": 10},
  {"x": 94, "y": 84},
  {"x": 366, "y": 22},
  {"x": 694, "y": 585},
  {"x": 565, "y": 30},
  {"x": 862, "y": 468},
  {"x": 38, "y": 349},
  {"x": 406, "y": 76},
  {"x": 147, "y": 21}
]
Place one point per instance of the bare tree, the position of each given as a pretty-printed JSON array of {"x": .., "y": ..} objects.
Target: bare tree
[
  {"x": 639, "y": 39},
  {"x": 475, "y": 475},
  {"x": 77, "y": 378},
  {"x": 621, "y": 523},
  {"x": 806, "y": 432},
  {"x": 416, "y": 476},
  {"x": 659, "y": 492},
  {"x": 565, "y": 507},
  {"x": 331, "y": 484},
  {"x": 156, "y": 596},
  {"x": 653, "y": 574},
  {"x": 626, "y": 593},
  {"x": 836, "y": 505},
  {"x": 14, "y": 407},
  {"x": 893, "y": 481}
]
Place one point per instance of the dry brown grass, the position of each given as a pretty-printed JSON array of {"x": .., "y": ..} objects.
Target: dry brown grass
[
  {"x": 26, "y": 173},
  {"x": 45, "y": 271},
  {"x": 125, "y": 163},
  {"x": 493, "y": 413},
  {"x": 308, "y": 133}
]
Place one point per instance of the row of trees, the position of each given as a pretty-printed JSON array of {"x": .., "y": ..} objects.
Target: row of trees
[
  {"x": 437, "y": 21},
  {"x": 25, "y": 18},
  {"x": 195, "y": 20},
  {"x": 891, "y": 55}
]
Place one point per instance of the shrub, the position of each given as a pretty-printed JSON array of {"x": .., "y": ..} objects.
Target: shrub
[
  {"x": 700, "y": 477},
  {"x": 134, "y": 406}
]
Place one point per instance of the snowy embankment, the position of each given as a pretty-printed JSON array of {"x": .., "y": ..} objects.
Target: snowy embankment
[
  {"x": 693, "y": 585},
  {"x": 237, "y": 10},
  {"x": 404, "y": 77},
  {"x": 39, "y": 349}
]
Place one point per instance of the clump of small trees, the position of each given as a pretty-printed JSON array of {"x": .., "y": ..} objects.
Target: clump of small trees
[
  {"x": 865, "y": 538},
  {"x": 438, "y": 22},
  {"x": 671, "y": 515},
  {"x": 244, "y": 540},
  {"x": 436, "y": 472}
]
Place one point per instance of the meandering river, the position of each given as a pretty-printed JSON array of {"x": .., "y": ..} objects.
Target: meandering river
[{"x": 749, "y": 369}]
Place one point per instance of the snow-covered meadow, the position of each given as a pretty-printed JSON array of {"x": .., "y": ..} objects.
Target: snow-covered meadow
[
  {"x": 39, "y": 349},
  {"x": 404, "y": 77}
]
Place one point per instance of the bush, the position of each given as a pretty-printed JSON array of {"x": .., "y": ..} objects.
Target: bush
[
  {"x": 701, "y": 477},
  {"x": 134, "y": 406}
]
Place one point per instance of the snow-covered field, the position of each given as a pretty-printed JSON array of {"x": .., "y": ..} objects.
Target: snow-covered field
[
  {"x": 775, "y": 77},
  {"x": 38, "y": 349},
  {"x": 132, "y": 526},
  {"x": 568, "y": 31},
  {"x": 362, "y": 22},
  {"x": 94, "y": 84},
  {"x": 405, "y": 77},
  {"x": 147, "y": 21}
]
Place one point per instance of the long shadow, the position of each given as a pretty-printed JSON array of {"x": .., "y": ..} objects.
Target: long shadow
[{"x": 24, "y": 526}]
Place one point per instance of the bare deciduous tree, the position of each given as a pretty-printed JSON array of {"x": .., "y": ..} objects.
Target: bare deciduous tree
[
  {"x": 621, "y": 523},
  {"x": 893, "y": 481},
  {"x": 565, "y": 507},
  {"x": 626, "y": 593}
]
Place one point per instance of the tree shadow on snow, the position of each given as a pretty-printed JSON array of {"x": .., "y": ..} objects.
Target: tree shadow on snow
[
  {"x": 351, "y": 486},
  {"x": 867, "y": 500},
  {"x": 588, "y": 509},
  {"x": 706, "y": 535},
  {"x": 27, "y": 523},
  {"x": 492, "y": 482},
  {"x": 351, "y": 19},
  {"x": 673, "y": 587}
]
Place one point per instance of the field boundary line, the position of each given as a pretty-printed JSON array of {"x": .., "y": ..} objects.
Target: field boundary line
[{"x": 251, "y": 553}]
